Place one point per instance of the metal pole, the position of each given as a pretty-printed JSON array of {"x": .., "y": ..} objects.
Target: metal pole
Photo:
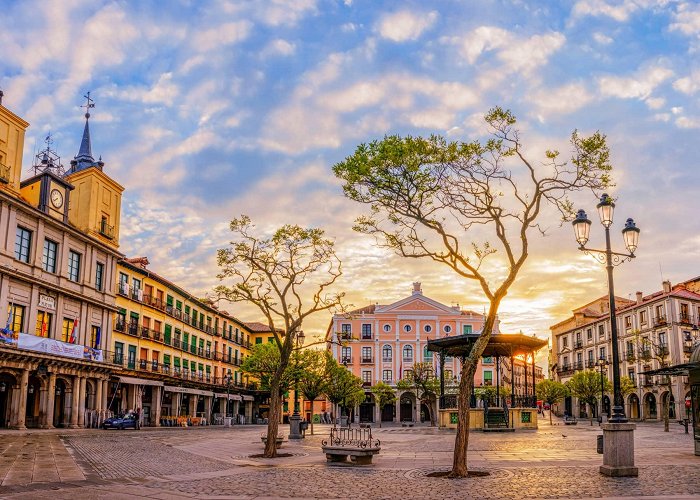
[
  {"x": 512, "y": 380},
  {"x": 534, "y": 394},
  {"x": 618, "y": 410},
  {"x": 498, "y": 380}
]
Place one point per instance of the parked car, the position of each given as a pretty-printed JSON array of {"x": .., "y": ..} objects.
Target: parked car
[{"x": 125, "y": 421}]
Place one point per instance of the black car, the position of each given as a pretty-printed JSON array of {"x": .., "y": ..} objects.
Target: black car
[{"x": 121, "y": 422}]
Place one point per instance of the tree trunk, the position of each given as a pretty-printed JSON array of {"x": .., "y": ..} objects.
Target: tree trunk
[
  {"x": 667, "y": 404},
  {"x": 431, "y": 410},
  {"x": 590, "y": 413},
  {"x": 273, "y": 421},
  {"x": 550, "y": 414},
  {"x": 459, "y": 462}
]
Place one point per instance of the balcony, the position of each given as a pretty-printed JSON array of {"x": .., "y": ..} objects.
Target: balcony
[
  {"x": 145, "y": 332},
  {"x": 120, "y": 326},
  {"x": 645, "y": 353},
  {"x": 578, "y": 365},
  {"x": 4, "y": 174},
  {"x": 133, "y": 329},
  {"x": 366, "y": 384},
  {"x": 157, "y": 335},
  {"x": 386, "y": 360},
  {"x": 207, "y": 354},
  {"x": 366, "y": 360},
  {"x": 346, "y": 360},
  {"x": 648, "y": 382},
  {"x": 366, "y": 336},
  {"x": 630, "y": 356},
  {"x": 686, "y": 319},
  {"x": 155, "y": 366},
  {"x": 143, "y": 364},
  {"x": 176, "y": 343},
  {"x": 193, "y": 349},
  {"x": 688, "y": 348},
  {"x": 166, "y": 369},
  {"x": 123, "y": 289},
  {"x": 591, "y": 363},
  {"x": 663, "y": 350},
  {"x": 578, "y": 344},
  {"x": 408, "y": 360},
  {"x": 388, "y": 381},
  {"x": 659, "y": 321},
  {"x": 105, "y": 229}
]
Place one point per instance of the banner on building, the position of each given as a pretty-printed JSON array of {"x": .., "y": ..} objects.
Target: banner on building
[{"x": 57, "y": 348}]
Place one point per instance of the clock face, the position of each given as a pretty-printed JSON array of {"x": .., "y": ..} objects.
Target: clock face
[{"x": 56, "y": 198}]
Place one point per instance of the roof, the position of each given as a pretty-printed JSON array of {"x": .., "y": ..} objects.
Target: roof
[
  {"x": 500, "y": 344},
  {"x": 257, "y": 327}
]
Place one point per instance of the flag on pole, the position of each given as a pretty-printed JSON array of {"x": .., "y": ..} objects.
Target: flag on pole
[
  {"x": 72, "y": 339},
  {"x": 44, "y": 325},
  {"x": 98, "y": 335},
  {"x": 10, "y": 321}
]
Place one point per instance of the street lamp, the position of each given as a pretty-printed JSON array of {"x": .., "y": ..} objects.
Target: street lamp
[
  {"x": 601, "y": 363},
  {"x": 227, "y": 379},
  {"x": 618, "y": 433},
  {"x": 295, "y": 419}
]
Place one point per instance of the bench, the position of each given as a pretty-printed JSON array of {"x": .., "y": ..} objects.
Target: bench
[
  {"x": 570, "y": 420},
  {"x": 407, "y": 423},
  {"x": 357, "y": 444},
  {"x": 278, "y": 441}
]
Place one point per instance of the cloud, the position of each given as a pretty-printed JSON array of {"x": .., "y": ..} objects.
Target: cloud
[
  {"x": 686, "y": 19},
  {"x": 601, "y": 38},
  {"x": 688, "y": 85},
  {"x": 279, "y": 47},
  {"x": 561, "y": 100},
  {"x": 405, "y": 25},
  {"x": 686, "y": 122},
  {"x": 638, "y": 86},
  {"x": 222, "y": 35},
  {"x": 618, "y": 10}
]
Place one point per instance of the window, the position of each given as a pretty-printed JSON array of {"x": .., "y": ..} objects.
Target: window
[
  {"x": 74, "y": 266},
  {"x": 590, "y": 358},
  {"x": 643, "y": 317},
  {"x": 386, "y": 354},
  {"x": 589, "y": 334},
  {"x": 367, "y": 377},
  {"x": 67, "y": 331},
  {"x": 167, "y": 334},
  {"x": 448, "y": 374},
  {"x": 258, "y": 340},
  {"x": 95, "y": 337},
  {"x": 366, "y": 331},
  {"x": 602, "y": 353},
  {"x": 99, "y": 275},
  {"x": 406, "y": 328},
  {"x": 565, "y": 342},
  {"x": 23, "y": 244},
  {"x": 118, "y": 353},
  {"x": 466, "y": 329},
  {"x": 447, "y": 329},
  {"x": 427, "y": 328},
  {"x": 579, "y": 359},
  {"x": 566, "y": 361},
  {"x": 407, "y": 353},
  {"x": 601, "y": 332},
  {"x": 15, "y": 317},
  {"x": 630, "y": 374},
  {"x": 123, "y": 284},
  {"x": 487, "y": 359},
  {"x": 660, "y": 312},
  {"x": 346, "y": 355},
  {"x": 43, "y": 324},
  {"x": 366, "y": 354},
  {"x": 488, "y": 377},
  {"x": 578, "y": 339},
  {"x": 427, "y": 355},
  {"x": 48, "y": 261},
  {"x": 386, "y": 376},
  {"x": 407, "y": 374},
  {"x": 628, "y": 322},
  {"x": 345, "y": 331},
  {"x": 630, "y": 348},
  {"x": 387, "y": 327}
]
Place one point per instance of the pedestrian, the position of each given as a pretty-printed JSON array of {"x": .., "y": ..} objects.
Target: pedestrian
[{"x": 138, "y": 418}]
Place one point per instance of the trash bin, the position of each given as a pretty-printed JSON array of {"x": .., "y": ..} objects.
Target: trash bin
[{"x": 600, "y": 444}]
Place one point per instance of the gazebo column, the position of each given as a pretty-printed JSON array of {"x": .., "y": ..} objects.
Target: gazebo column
[
  {"x": 498, "y": 380},
  {"x": 525, "y": 373},
  {"x": 534, "y": 393},
  {"x": 512, "y": 380},
  {"x": 442, "y": 373}
]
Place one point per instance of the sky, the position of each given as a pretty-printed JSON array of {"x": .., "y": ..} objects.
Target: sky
[{"x": 209, "y": 110}]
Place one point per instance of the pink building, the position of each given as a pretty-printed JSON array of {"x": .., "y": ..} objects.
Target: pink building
[{"x": 382, "y": 342}]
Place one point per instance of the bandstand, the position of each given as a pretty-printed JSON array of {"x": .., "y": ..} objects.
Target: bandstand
[{"x": 499, "y": 413}]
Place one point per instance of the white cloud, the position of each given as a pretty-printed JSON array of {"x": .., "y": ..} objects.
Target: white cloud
[
  {"x": 689, "y": 84},
  {"x": 686, "y": 122},
  {"x": 284, "y": 12},
  {"x": 561, "y": 100},
  {"x": 619, "y": 10},
  {"x": 686, "y": 19},
  {"x": 601, "y": 38},
  {"x": 639, "y": 86},
  {"x": 224, "y": 34},
  {"x": 279, "y": 47},
  {"x": 482, "y": 39},
  {"x": 405, "y": 25}
]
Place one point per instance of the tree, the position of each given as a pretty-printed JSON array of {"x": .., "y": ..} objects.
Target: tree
[
  {"x": 651, "y": 346},
  {"x": 627, "y": 386},
  {"x": 421, "y": 380},
  {"x": 344, "y": 389},
  {"x": 311, "y": 377},
  {"x": 263, "y": 363},
  {"x": 438, "y": 200},
  {"x": 383, "y": 395},
  {"x": 287, "y": 277},
  {"x": 551, "y": 392},
  {"x": 585, "y": 385}
]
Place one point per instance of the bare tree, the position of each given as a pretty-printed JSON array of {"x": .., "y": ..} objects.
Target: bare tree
[
  {"x": 441, "y": 200},
  {"x": 287, "y": 277},
  {"x": 651, "y": 346}
]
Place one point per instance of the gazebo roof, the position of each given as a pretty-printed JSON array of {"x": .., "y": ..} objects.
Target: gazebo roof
[{"x": 500, "y": 344}]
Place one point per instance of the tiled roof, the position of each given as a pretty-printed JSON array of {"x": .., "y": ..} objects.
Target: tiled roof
[
  {"x": 364, "y": 310},
  {"x": 257, "y": 327}
]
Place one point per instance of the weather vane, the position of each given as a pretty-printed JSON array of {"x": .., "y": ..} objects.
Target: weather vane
[{"x": 88, "y": 104}]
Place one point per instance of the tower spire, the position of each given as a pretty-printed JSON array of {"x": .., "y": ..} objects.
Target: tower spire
[{"x": 84, "y": 158}]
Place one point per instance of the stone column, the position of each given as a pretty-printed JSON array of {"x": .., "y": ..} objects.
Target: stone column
[
  {"x": 176, "y": 401},
  {"x": 14, "y": 405},
  {"x": 105, "y": 395},
  {"x": 74, "y": 401},
  {"x": 156, "y": 405},
  {"x": 397, "y": 417},
  {"x": 22, "y": 400},
  {"x": 81, "y": 401},
  {"x": 377, "y": 414},
  {"x": 98, "y": 396},
  {"x": 249, "y": 412},
  {"x": 234, "y": 412},
  {"x": 50, "y": 401},
  {"x": 618, "y": 450},
  {"x": 207, "y": 408}
]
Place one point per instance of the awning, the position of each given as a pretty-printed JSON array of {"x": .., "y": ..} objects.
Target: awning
[
  {"x": 247, "y": 398},
  {"x": 234, "y": 397},
  {"x": 187, "y": 390},
  {"x": 140, "y": 381}
]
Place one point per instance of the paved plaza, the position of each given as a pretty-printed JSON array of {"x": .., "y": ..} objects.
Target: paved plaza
[{"x": 554, "y": 462}]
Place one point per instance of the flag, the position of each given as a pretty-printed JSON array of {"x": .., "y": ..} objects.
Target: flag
[
  {"x": 98, "y": 335},
  {"x": 44, "y": 325},
  {"x": 10, "y": 318},
  {"x": 72, "y": 338}
]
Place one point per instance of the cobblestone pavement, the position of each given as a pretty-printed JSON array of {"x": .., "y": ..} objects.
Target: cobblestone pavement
[{"x": 553, "y": 462}]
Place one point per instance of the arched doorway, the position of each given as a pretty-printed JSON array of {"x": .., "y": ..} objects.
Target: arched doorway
[
  {"x": 367, "y": 408},
  {"x": 406, "y": 407},
  {"x": 31, "y": 417},
  {"x": 568, "y": 406},
  {"x": 388, "y": 412},
  {"x": 650, "y": 406},
  {"x": 7, "y": 383},
  {"x": 424, "y": 413},
  {"x": 634, "y": 406},
  {"x": 59, "y": 404}
]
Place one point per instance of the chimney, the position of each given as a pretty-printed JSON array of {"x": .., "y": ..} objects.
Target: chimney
[
  {"x": 667, "y": 286},
  {"x": 639, "y": 297},
  {"x": 416, "y": 288}
]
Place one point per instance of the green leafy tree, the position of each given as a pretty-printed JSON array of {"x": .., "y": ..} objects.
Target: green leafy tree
[
  {"x": 287, "y": 277},
  {"x": 460, "y": 203},
  {"x": 551, "y": 392},
  {"x": 421, "y": 380},
  {"x": 627, "y": 386},
  {"x": 311, "y": 377},
  {"x": 344, "y": 389},
  {"x": 585, "y": 385},
  {"x": 263, "y": 363},
  {"x": 383, "y": 395}
]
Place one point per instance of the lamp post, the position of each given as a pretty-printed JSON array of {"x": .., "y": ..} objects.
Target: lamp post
[
  {"x": 622, "y": 462},
  {"x": 295, "y": 419},
  {"x": 601, "y": 363},
  {"x": 227, "y": 379}
]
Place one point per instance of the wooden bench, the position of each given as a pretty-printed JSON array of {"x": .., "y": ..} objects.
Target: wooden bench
[{"x": 357, "y": 444}]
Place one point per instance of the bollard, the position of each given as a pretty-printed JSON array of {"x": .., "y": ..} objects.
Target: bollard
[
  {"x": 600, "y": 444},
  {"x": 684, "y": 423}
]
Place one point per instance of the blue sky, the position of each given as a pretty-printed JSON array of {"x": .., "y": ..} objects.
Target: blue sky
[{"x": 206, "y": 110}]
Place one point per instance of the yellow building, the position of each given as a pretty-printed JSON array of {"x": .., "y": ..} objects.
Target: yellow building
[{"x": 180, "y": 355}]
